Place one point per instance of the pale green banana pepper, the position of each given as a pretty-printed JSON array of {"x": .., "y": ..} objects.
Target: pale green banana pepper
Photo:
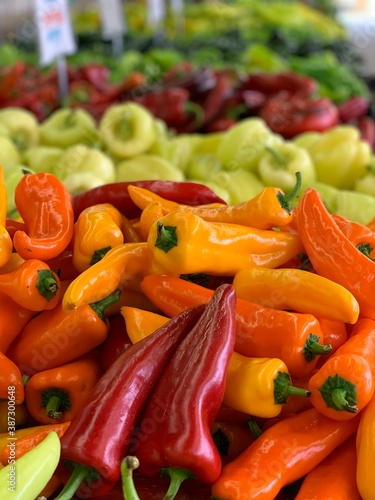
[
  {"x": 22, "y": 127},
  {"x": 26, "y": 477},
  {"x": 42, "y": 158},
  {"x": 147, "y": 167},
  {"x": 9, "y": 154},
  {"x": 66, "y": 127},
  {"x": 278, "y": 166},
  {"x": 127, "y": 130}
]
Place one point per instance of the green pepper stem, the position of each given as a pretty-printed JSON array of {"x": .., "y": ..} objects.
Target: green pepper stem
[
  {"x": 313, "y": 348},
  {"x": 285, "y": 200},
  {"x": 25, "y": 379},
  {"x": 177, "y": 476},
  {"x": 283, "y": 389},
  {"x": 128, "y": 465},
  {"x": 52, "y": 408},
  {"x": 55, "y": 401},
  {"x": 339, "y": 399},
  {"x": 101, "y": 305},
  {"x": 47, "y": 284},
  {"x": 79, "y": 474},
  {"x": 166, "y": 237},
  {"x": 255, "y": 430},
  {"x": 366, "y": 249},
  {"x": 277, "y": 156}
]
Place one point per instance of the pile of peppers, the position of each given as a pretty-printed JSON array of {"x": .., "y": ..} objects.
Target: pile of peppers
[{"x": 159, "y": 343}]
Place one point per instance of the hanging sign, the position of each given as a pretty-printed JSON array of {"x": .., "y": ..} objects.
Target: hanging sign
[{"x": 55, "y": 33}]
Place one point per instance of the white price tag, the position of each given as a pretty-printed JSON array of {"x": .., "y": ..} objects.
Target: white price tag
[
  {"x": 156, "y": 12},
  {"x": 55, "y": 34},
  {"x": 112, "y": 18}
]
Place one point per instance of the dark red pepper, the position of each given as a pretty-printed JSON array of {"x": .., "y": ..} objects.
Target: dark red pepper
[
  {"x": 220, "y": 124},
  {"x": 171, "y": 105},
  {"x": 273, "y": 83},
  {"x": 100, "y": 434},
  {"x": 366, "y": 127},
  {"x": 185, "y": 401},
  {"x": 188, "y": 193},
  {"x": 291, "y": 115},
  {"x": 116, "y": 342},
  {"x": 217, "y": 96},
  {"x": 8, "y": 78},
  {"x": 353, "y": 109}
]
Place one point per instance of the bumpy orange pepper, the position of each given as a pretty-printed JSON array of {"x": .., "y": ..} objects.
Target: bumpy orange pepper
[
  {"x": 184, "y": 243},
  {"x": 96, "y": 231},
  {"x": 45, "y": 205}
]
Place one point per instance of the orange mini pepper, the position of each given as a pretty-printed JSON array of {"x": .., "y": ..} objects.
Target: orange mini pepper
[
  {"x": 13, "y": 319},
  {"x": 332, "y": 254},
  {"x": 11, "y": 383},
  {"x": 56, "y": 337},
  {"x": 365, "y": 451},
  {"x": 45, "y": 205},
  {"x": 270, "y": 208},
  {"x": 345, "y": 383},
  {"x": 182, "y": 242},
  {"x": 285, "y": 452},
  {"x": 32, "y": 285},
  {"x": 96, "y": 231},
  {"x": 297, "y": 290},
  {"x": 261, "y": 331},
  {"x": 56, "y": 395},
  {"x": 334, "y": 477}
]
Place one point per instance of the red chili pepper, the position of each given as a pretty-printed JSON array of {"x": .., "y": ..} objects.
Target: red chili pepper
[
  {"x": 96, "y": 74},
  {"x": 187, "y": 399},
  {"x": 217, "y": 96},
  {"x": 366, "y": 126},
  {"x": 116, "y": 342},
  {"x": 291, "y": 115},
  {"x": 96, "y": 448},
  {"x": 353, "y": 109},
  {"x": 274, "y": 83},
  {"x": 8, "y": 78},
  {"x": 169, "y": 104},
  {"x": 189, "y": 193},
  {"x": 45, "y": 205},
  {"x": 220, "y": 124}
]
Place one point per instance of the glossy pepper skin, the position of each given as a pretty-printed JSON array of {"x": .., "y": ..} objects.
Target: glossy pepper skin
[
  {"x": 261, "y": 331},
  {"x": 45, "y": 205},
  {"x": 332, "y": 254},
  {"x": 345, "y": 383},
  {"x": 191, "y": 193},
  {"x": 297, "y": 290},
  {"x": 365, "y": 445},
  {"x": 13, "y": 319},
  {"x": 32, "y": 285},
  {"x": 118, "y": 266},
  {"x": 96, "y": 231},
  {"x": 270, "y": 208},
  {"x": 184, "y": 243},
  {"x": 283, "y": 453},
  {"x": 119, "y": 396},
  {"x": 5, "y": 239},
  {"x": 11, "y": 383},
  {"x": 362, "y": 237},
  {"x": 258, "y": 386},
  {"x": 190, "y": 393},
  {"x": 56, "y": 395},
  {"x": 334, "y": 477},
  {"x": 57, "y": 337}
]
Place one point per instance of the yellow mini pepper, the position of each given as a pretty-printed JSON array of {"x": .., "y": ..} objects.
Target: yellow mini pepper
[
  {"x": 184, "y": 243},
  {"x": 96, "y": 231}
]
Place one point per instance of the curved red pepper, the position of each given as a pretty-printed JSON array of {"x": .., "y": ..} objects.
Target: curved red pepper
[
  {"x": 188, "y": 193},
  {"x": 187, "y": 398},
  {"x": 96, "y": 448},
  {"x": 45, "y": 206},
  {"x": 274, "y": 83},
  {"x": 291, "y": 115}
]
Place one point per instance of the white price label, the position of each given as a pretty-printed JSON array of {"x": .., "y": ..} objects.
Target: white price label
[
  {"x": 156, "y": 12},
  {"x": 112, "y": 18},
  {"x": 55, "y": 34}
]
